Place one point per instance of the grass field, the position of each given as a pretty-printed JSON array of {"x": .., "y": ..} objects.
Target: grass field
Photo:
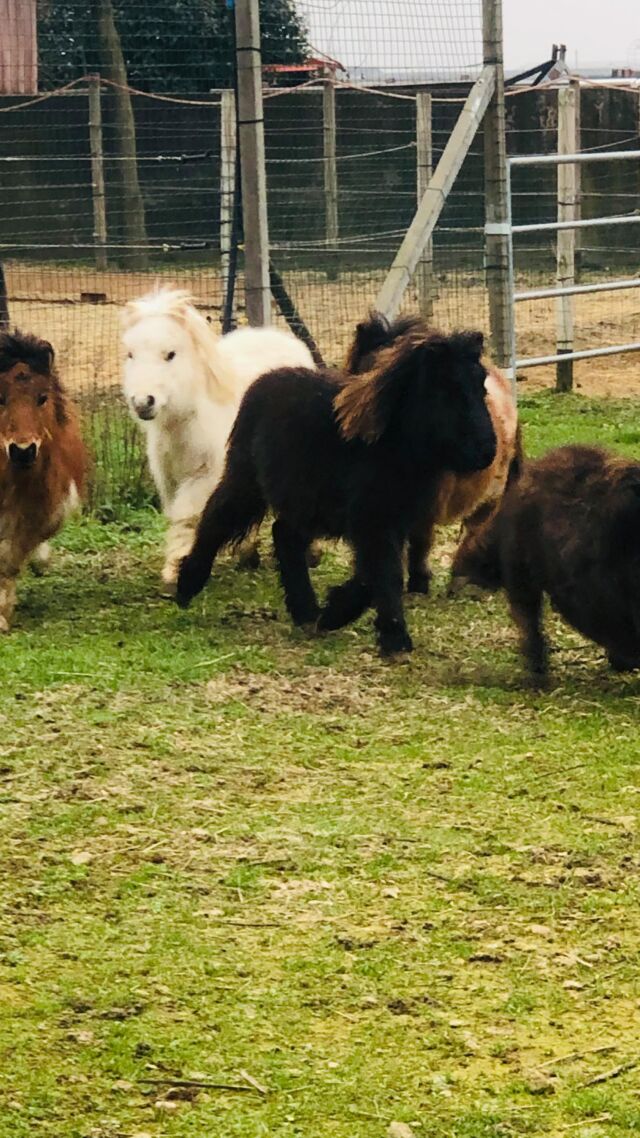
[{"x": 355, "y": 892}]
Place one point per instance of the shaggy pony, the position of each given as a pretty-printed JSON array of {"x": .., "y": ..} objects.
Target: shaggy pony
[
  {"x": 357, "y": 457},
  {"x": 570, "y": 528},
  {"x": 184, "y": 384},
  {"x": 43, "y": 463},
  {"x": 467, "y": 498}
]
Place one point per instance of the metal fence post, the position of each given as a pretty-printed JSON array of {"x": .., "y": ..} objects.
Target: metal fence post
[
  {"x": 496, "y": 194},
  {"x": 568, "y": 143},
  {"x": 252, "y": 163}
]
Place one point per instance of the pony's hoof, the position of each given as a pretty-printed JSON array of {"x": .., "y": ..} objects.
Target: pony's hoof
[
  {"x": 306, "y": 619},
  {"x": 4, "y": 625},
  {"x": 395, "y": 644},
  {"x": 622, "y": 663},
  {"x": 419, "y": 583}
]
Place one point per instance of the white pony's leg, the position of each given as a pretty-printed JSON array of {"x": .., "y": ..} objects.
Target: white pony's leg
[
  {"x": 41, "y": 559},
  {"x": 7, "y": 602},
  {"x": 184, "y": 514}
]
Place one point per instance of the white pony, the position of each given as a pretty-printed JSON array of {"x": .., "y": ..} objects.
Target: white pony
[{"x": 184, "y": 383}]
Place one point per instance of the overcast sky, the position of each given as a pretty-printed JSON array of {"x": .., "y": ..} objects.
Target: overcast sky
[
  {"x": 598, "y": 31},
  {"x": 440, "y": 35}
]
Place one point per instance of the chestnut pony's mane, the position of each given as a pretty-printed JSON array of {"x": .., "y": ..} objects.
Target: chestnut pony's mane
[{"x": 178, "y": 305}]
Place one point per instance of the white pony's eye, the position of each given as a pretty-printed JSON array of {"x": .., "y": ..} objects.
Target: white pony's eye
[
  {"x": 130, "y": 355},
  {"x": 169, "y": 356}
]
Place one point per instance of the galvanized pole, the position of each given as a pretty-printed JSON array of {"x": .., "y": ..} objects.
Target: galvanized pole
[
  {"x": 496, "y": 192},
  {"x": 252, "y": 163},
  {"x": 568, "y": 143}
]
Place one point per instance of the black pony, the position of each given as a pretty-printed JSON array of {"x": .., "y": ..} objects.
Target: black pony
[{"x": 356, "y": 457}]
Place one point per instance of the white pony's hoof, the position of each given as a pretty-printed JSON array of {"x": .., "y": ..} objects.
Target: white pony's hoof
[
  {"x": 41, "y": 559},
  {"x": 4, "y": 625}
]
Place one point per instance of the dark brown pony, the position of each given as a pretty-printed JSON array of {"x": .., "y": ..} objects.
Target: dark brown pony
[{"x": 43, "y": 462}]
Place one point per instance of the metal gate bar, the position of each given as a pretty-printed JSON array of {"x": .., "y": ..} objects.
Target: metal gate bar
[
  {"x": 577, "y": 290},
  {"x": 555, "y": 226}
]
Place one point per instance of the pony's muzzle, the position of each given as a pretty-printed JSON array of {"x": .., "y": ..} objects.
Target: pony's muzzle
[
  {"x": 23, "y": 454},
  {"x": 145, "y": 407}
]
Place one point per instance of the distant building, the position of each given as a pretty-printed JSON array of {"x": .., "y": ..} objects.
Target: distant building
[{"x": 292, "y": 74}]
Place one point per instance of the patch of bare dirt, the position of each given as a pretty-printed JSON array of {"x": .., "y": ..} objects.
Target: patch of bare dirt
[{"x": 314, "y": 691}]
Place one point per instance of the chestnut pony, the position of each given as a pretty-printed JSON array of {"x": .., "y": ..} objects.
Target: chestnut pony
[{"x": 43, "y": 462}]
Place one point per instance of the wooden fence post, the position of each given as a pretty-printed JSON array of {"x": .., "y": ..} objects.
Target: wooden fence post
[
  {"x": 97, "y": 173},
  {"x": 330, "y": 173},
  {"x": 566, "y": 243},
  {"x": 227, "y": 181},
  {"x": 252, "y": 163},
  {"x": 424, "y": 170},
  {"x": 497, "y": 219}
]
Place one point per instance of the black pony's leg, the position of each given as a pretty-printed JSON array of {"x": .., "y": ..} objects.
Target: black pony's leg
[
  {"x": 420, "y": 542},
  {"x": 291, "y": 549},
  {"x": 379, "y": 565},
  {"x": 344, "y": 604},
  {"x": 234, "y": 508},
  {"x": 526, "y": 610}
]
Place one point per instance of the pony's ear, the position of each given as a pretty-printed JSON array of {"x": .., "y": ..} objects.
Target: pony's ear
[
  {"x": 472, "y": 343},
  {"x": 369, "y": 335},
  {"x": 48, "y": 348},
  {"x": 43, "y": 356}
]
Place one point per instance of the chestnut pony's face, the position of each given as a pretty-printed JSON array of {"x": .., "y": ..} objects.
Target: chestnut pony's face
[{"x": 30, "y": 403}]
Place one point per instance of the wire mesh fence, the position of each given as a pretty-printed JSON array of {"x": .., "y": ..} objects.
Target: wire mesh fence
[{"x": 117, "y": 171}]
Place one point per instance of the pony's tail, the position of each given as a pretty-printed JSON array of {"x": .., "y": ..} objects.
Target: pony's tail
[{"x": 236, "y": 508}]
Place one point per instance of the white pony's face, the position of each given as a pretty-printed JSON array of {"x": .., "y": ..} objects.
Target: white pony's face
[{"x": 161, "y": 368}]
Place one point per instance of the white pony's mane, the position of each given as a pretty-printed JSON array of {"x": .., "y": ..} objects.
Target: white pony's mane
[{"x": 178, "y": 304}]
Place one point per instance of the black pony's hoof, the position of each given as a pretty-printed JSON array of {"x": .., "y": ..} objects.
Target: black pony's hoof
[
  {"x": 306, "y": 619},
  {"x": 419, "y": 583},
  {"x": 395, "y": 643},
  {"x": 622, "y": 663}
]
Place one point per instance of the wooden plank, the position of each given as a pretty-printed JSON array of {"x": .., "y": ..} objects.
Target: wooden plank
[
  {"x": 18, "y": 48},
  {"x": 227, "y": 181},
  {"x": 424, "y": 170},
  {"x": 413, "y": 245},
  {"x": 496, "y": 191},
  {"x": 330, "y": 171},
  {"x": 252, "y": 163},
  {"x": 566, "y": 241},
  {"x": 97, "y": 173}
]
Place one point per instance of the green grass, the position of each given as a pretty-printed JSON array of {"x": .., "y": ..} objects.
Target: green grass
[{"x": 387, "y": 892}]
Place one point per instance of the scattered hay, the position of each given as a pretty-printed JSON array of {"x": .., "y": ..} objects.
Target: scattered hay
[{"x": 315, "y": 691}]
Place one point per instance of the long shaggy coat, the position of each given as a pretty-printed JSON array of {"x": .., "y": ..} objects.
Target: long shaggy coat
[
  {"x": 357, "y": 457},
  {"x": 568, "y": 528},
  {"x": 469, "y": 499},
  {"x": 43, "y": 463},
  {"x": 184, "y": 384}
]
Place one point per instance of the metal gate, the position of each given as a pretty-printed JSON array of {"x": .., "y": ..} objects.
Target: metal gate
[{"x": 561, "y": 291}]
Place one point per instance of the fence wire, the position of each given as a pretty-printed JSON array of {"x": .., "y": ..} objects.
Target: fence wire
[{"x": 344, "y": 91}]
